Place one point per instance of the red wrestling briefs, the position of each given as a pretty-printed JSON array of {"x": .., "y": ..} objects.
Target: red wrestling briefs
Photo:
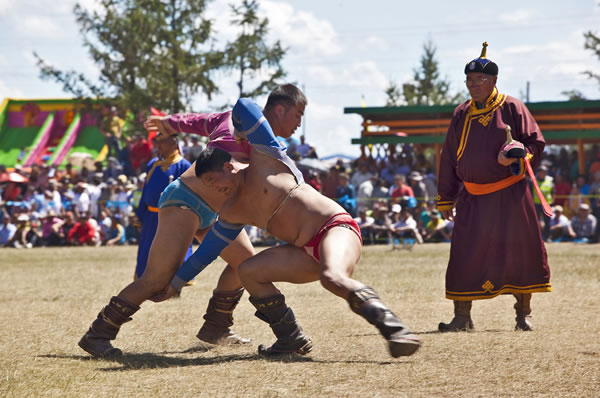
[{"x": 337, "y": 220}]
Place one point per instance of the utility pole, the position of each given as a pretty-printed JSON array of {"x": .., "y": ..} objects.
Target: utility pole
[{"x": 527, "y": 92}]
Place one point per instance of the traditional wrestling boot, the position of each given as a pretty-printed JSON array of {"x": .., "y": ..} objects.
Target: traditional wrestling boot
[
  {"x": 462, "y": 318},
  {"x": 366, "y": 303},
  {"x": 219, "y": 318},
  {"x": 105, "y": 328},
  {"x": 523, "y": 310},
  {"x": 281, "y": 319}
]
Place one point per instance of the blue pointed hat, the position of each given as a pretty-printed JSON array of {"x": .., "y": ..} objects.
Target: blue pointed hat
[{"x": 482, "y": 64}]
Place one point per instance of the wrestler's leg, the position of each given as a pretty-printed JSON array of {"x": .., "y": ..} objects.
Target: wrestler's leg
[
  {"x": 278, "y": 264},
  {"x": 339, "y": 251},
  {"x": 226, "y": 296},
  {"x": 173, "y": 236},
  {"x": 175, "y": 232}
]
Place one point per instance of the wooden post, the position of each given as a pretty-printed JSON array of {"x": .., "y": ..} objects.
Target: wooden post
[{"x": 580, "y": 156}]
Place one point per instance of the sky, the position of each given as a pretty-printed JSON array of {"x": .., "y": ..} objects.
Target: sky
[{"x": 340, "y": 51}]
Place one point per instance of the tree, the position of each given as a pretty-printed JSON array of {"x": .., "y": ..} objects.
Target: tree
[
  {"x": 592, "y": 42},
  {"x": 149, "y": 53},
  {"x": 394, "y": 94},
  {"x": 574, "y": 95},
  {"x": 250, "y": 55},
  {"x": 426, "y": 87}
]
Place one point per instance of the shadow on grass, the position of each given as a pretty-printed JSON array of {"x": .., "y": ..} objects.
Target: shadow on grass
[{"x": 131, "y": 361}]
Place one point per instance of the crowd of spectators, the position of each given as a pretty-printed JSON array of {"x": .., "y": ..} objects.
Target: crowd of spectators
[{"x": 392, "y": 198}]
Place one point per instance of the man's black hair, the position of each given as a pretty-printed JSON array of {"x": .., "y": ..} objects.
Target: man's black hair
[
  {"x": 211, "y": 159},
  {"x": 287, "y": 95}
]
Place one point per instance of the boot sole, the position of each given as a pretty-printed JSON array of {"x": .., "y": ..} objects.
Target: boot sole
[
  {"x": 267, "y": 352},
  {"x": 403, "y": 347},
  {"x": 88, "y": 347}
]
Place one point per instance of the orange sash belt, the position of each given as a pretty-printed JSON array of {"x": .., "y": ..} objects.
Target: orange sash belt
[
  {"x": 153, "y": 209},
  {"x": 484, "y": 189}
]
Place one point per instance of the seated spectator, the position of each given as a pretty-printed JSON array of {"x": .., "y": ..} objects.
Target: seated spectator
[
  {"x": 116, "y": 232},
  {"x": 382, "y": 226},
  {"x": 24, "y": 236},
  {"x": 400, "y": 188},
  {"x": 51, "y": 230},
  {"x": 345, "y": 194},
  {"x": 437, "y": 229},
  {"x": 365, "y": 224},
  {"x": 404, "y": 225},
  {"x": 7, "y": 229},
  {"x": 415, "y": 181},
  {"x": 83, "y": 232},
  {"x": 362, "y": 174},
  {"x": 583, "y": 224},
  {"x": 560, "y": 226}
]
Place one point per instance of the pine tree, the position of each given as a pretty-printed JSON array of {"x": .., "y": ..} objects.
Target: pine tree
[
  {"x": 592, "y": 42},
  {"x": 426, "y": 87},
  {"x": 249, "y": 54}
]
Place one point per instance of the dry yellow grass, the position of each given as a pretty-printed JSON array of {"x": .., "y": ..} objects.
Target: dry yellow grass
[{"x": 50, "y": 296}]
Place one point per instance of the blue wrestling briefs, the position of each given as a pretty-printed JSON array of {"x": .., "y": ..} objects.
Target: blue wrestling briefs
[{"x": 177, "y": 194}]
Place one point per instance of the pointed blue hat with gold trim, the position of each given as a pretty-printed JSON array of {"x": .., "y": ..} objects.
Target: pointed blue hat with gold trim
[{"x": 482, "y": 64}]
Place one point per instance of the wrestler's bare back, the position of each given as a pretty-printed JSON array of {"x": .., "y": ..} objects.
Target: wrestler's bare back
[{"x": 266, "y": 184}]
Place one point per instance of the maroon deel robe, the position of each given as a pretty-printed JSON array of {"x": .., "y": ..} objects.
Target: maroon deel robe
[{"x": 496, "y": 245}]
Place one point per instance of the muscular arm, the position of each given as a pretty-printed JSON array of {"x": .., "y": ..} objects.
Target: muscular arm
[{"x": 218, "y": 237}]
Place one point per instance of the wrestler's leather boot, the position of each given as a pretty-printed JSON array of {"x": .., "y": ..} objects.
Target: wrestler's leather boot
[
  {"x": 219, "y": 318},
  {"x": 281, "y": 319},
  {"x": 105, "y": 328},
  {"x": 462, "y": 318},
  {"x": 523, "y": 310},
  {"x": 401, "y": 342}
]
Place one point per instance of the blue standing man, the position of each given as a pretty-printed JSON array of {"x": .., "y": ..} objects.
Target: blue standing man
[{"x": 160, "y": 172}]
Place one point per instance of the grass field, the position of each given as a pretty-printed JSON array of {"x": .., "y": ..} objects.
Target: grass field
[{"x": 50, "y": 296}]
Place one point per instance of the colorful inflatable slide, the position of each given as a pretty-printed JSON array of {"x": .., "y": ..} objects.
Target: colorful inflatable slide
[{"x": 46, "y": 132}]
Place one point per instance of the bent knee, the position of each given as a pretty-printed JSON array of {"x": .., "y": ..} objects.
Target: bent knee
[
  {"x": 152, "y": 285},
  {"x": 331, "y": 279}
]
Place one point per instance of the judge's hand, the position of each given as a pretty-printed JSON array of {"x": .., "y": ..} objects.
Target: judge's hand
[
  {"x": 448, "y": 214},
  {"x": 504, "y": 161},
  {"x": 154, "y": 123}
]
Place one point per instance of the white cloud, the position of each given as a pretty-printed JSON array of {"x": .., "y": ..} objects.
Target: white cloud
[
  {"x": 517, "y": 17},
  {"x": 9, "y": 92},
  {"x": 40, "y": 26}
]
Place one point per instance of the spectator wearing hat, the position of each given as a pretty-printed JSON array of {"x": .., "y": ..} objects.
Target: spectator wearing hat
[
  {"x": 560, "y": 226},
  {"x": 546, "y": 184},
  {"x": 365, "y": 223},
  {"x": 415, "y": 181},
  {"x": 24, "y": 236},
  {"x": 404, "y": 225},
  {"x": 436, "y": 229},
  {"x": 584, "y": 224},
  {"x": 81, "y": 199},
  {"x": 495, "y": 204}
]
